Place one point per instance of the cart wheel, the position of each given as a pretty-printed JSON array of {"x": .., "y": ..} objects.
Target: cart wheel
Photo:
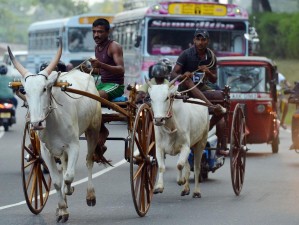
[
  {"x": 36, "y": 185},
  {"x": 295, "y": 131},
  {"x": 238, "y": 149},
  {"x": 143, "y": 164}
]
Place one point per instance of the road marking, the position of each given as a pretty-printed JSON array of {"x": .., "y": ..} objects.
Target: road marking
[
  {"x": 1, "y": 131},
  {"x": 73, "y": 184}
]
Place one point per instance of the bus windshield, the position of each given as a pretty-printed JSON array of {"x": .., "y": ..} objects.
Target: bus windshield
[
  {"x": 80, "y": 39},
  {"x": 172, "y": 37}
]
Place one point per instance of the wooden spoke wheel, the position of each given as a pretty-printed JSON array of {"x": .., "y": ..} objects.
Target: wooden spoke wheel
[
  {"x": 238, "y": 149},
  {"x": 36, "y": 184},
  {"x": 143, "y": 163}
]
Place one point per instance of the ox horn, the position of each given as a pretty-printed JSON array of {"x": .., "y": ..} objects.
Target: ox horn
[
  {"x": 16, "y": 64},
  {"x": 55, "y": 61},
  {"x": 174, "y": 80}
]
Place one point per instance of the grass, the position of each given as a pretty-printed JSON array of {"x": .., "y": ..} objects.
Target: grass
[{"x": 290, "y": 69}]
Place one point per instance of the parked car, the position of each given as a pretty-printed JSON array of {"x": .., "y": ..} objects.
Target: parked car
[{"x": 21, "y": 56}]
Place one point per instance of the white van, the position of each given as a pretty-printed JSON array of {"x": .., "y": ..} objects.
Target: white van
[{"x": 21, "y": 56}]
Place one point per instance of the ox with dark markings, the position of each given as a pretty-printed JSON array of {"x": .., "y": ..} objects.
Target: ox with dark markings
[
  {"x": 178, "y": 127},
  {"x": 59, "y": 120}
]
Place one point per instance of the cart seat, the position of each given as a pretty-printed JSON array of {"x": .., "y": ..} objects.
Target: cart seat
[
  {"x": 122, "y": 102},
  {"x": 120, "y": 99}
]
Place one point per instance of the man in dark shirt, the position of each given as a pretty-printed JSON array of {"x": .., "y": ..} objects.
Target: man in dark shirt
[{"x": 199, "y": 58}]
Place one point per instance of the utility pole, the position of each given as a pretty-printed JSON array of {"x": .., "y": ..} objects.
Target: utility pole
[{"x": 264, "y": 3}]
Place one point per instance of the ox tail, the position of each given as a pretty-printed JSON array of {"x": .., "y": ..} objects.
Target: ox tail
[{"x": 99, "y": 155}]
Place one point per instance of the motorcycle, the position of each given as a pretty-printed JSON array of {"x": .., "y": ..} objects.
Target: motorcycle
[
  {"x": 7, "y": 113},
  {"x": 294, "y": 99},
  {"x": 210, "y": 161}
]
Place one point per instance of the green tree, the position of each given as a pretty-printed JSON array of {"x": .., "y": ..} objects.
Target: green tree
[
  {"x": 16, "y": 16},
  {"x": 278, "y": 33}
]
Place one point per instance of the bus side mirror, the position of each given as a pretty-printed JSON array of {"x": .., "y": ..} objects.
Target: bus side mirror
[{"x": 138, "y": 40}]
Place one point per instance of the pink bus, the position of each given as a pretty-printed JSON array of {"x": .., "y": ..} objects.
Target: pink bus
[{"x": 165, "y": 29}]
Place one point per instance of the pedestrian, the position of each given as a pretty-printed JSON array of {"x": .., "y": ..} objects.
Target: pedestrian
[{"x": 283, "y": 103}]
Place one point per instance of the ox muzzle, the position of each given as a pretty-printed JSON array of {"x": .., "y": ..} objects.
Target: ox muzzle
[
  {"x": 159, "y": 121},
  {"x": 40, "y": 125}
]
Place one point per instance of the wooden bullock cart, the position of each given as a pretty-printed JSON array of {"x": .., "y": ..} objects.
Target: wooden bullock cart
[{"x": 139, "y": 150}]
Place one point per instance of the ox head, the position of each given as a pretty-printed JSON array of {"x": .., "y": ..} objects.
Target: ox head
[
  {"x": 161, "y": 101},
  {"x": 38, "y": 88}
]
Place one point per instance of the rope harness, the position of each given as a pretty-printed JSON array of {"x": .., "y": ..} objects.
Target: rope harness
[{"x": 50, "y": 108}]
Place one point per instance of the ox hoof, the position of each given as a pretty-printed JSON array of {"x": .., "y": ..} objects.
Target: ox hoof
[
  {"x": 185, "y": 192},
  {"x": 158, "y": 190},
  {"x": 62, "y": 218},
  {"x": 196, "y": 195},
  {"x": 182, "y": 182},
  {"x": 91, "y": 202},
  {"x": 69, "y": 191}
]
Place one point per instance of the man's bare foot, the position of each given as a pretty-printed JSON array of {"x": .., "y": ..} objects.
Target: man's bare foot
[
  {"x": 219, "y": 110},
  {"x": 222, "y": 153},
  {"x": 284, "y": 126}
]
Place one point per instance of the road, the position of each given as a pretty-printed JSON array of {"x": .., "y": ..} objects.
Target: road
[{"x": 270, "y": 194}]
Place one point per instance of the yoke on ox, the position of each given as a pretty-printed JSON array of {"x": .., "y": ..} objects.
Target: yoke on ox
[
  {"x": 59, "y": 119},
  {"x": 178, "y": 127}
]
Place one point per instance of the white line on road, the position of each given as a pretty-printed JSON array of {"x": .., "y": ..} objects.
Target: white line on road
[
  {"x": 74, "y": 184},
  {"x": 1, "y": 131}
]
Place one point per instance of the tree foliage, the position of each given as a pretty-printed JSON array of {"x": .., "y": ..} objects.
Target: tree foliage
[
  {"x": 16, "y": 16},
  {"x": 278, "y": 33}
]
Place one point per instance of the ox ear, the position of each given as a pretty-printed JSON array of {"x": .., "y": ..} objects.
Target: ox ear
[
  {"x": 173, "y": 89},
  {"x": 52, "y": 78}
]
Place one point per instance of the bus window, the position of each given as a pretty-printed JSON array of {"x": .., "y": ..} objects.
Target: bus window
[
  {"x": 76, "y": 33},
  {"x": 167, "y": 28}
]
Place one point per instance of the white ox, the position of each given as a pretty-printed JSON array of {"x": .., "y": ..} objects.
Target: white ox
[
  {"x": 178, "y": 127},
  {"x": 59, "y": 120}
]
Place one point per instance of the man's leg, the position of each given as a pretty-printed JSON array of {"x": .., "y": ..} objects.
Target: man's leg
[
  {"x": 104, "y": 133},
  {"x": 196, "y": 93},
  {"x": 284, "y": 109},
  {"x": 220, "y": 133}
]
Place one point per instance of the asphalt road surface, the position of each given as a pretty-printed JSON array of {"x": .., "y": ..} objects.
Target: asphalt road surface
[{"x": 270, "y": 194}]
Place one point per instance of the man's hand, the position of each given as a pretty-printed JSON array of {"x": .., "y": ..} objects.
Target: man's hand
[
  {"x": 95, "y": 63},
  {"x": 84, "y": 68},
  {"x": 187, "y": 75},
  {"x": 204, "y": 69}
]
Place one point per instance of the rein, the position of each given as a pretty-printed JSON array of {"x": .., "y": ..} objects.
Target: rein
[
  {"x": 199, "y": 82},
  {"x": 168, "y": 116},
  {"x": 79, "y": 67},
  {"x": 210, "y": 65},
  {"x": 33, "y": 75}
]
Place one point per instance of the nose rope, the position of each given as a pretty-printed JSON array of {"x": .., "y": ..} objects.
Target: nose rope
[
  {"x": 168, "y": 116},
  {"x": 169, "y": 111},
  {"x": 50, "y": 109}
]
